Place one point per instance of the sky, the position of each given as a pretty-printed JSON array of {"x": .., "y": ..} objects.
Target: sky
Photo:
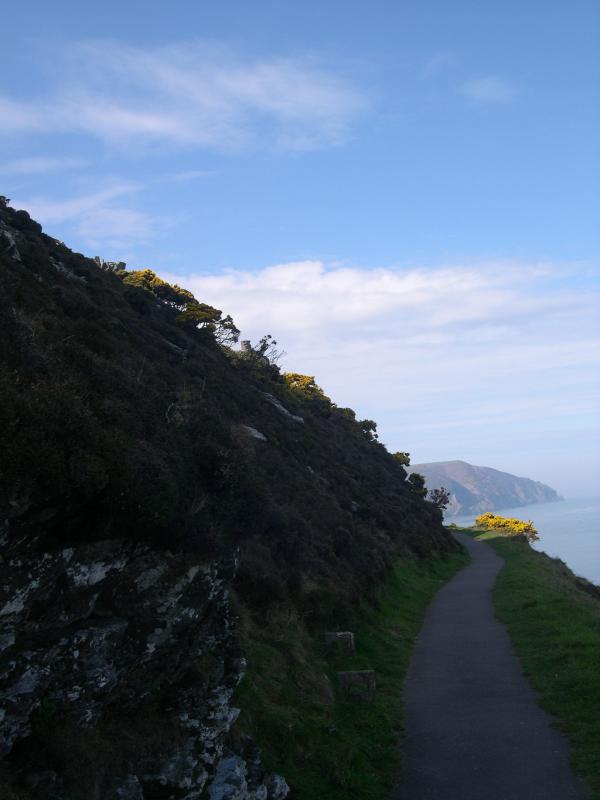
[{"x": 406, "y": 195}]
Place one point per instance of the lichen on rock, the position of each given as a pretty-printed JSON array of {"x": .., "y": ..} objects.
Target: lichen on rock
[{"x": 129, "y": 638}]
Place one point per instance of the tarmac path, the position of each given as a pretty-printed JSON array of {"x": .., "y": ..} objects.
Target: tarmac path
[{"x": 474, "y": 729}]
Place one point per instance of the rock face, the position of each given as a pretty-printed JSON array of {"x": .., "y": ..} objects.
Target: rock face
[
  {"x": 478, "y": 489},
  {"x": 135, "y": 647}
]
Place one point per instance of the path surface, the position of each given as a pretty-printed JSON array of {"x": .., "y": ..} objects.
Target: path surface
[{"x": 474, "y": 730}]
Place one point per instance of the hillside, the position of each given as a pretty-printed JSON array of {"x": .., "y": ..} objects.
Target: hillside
[
  {"x": 149, "y": 474},
  {"x": 477, "y": 489}
]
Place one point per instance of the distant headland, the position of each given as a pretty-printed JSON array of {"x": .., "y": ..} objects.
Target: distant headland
[{"x": 477, "y": 489}]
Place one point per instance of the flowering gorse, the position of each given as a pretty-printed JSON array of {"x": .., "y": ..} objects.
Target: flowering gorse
[{"x": 507, "y": 526}]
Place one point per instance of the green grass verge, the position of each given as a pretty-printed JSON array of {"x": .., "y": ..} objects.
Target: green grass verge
[
  {"x": 326, "y": 745},
  {"x": 555, "y": 629}
]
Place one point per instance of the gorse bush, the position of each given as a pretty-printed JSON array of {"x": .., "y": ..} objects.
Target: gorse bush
[
  {"x": 146, "y": 279},
  {"x": 193, "y": 314},
  {"x": 507, "y": 526}
]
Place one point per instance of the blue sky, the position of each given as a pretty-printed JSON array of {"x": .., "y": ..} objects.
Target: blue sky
[{"x": 404, "y": 194}]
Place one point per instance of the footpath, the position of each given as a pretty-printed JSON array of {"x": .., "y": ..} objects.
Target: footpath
[{"x": 474, "y": 729}]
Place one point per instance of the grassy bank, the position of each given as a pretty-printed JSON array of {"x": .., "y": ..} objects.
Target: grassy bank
[
  {"x": 555, "y": 628},
  {"x": 326, "y": 745}
]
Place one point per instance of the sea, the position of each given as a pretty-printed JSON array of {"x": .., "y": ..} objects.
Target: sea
[{"x": 568, "y": 529}]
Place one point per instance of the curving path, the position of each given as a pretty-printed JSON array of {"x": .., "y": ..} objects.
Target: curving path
[{"x": 474, "y": 730}]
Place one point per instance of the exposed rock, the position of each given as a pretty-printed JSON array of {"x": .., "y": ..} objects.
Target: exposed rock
[
  {"x": 254, "y": 433},
  {"x": 230, "y": 780},
  {"x": 8, "y": 243},
  {"x": 60, "y": 267},
  {"x": 117, "y": 629},
  {"x": 281, "y": 408},
  {"x": 277, "y": 787},
  {"x": 239, "y": 778}
]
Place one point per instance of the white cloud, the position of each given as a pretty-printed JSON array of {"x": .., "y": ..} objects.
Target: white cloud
[
  {"x": 186, "y": 176},
  {"x": 193, "y": 95},
  {"x": 490, "y": 90},
  {"x": 310, "y": 295},
  {"x": 459, "y": 351},
  {"x": 38, "y": 165},
  {"x": 16, "y": 116}
]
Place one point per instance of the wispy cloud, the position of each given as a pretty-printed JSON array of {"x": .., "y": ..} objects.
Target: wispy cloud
[
  {"x": 490, "y": 90},
  {"x": 16, "y": 116},
  {"x": 98, "y": 217},
  {"x": 109, "y": 215},
  {"x": 115, "y": 227},
  {"x": 185, "y": 176},
  {"x": 51, "y": 210},
  {"x": 439, "y": 64},
  {"x": 39, "y": 165},
  {"x": 190, "y": 94}
]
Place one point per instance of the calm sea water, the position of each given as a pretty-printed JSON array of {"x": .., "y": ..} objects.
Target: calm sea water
[{"x": 569, "y": 530}]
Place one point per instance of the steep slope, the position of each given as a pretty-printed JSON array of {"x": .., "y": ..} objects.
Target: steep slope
[
  {"x": 478, "y": 489},
  {"x": 145, "y": 472}
]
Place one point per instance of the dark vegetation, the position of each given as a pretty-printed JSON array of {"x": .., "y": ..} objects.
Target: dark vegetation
[
  {"x": 553, "y": 618},
  {"x": 123, "y": 413},
  {"x": 440, "y": 497}
]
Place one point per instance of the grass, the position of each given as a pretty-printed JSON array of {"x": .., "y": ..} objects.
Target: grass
[
  {"x": 555, "y": 629},
  {"x": 325, "y": 744}
]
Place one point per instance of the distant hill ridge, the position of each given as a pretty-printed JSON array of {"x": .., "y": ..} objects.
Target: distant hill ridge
[{"x": 478, "y": 489}]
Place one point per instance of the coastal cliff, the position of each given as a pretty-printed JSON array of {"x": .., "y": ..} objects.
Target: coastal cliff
[{"x": 478, "y": 489}]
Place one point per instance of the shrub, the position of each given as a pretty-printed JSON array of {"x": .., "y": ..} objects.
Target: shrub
[{"x": 508, "y": 526}]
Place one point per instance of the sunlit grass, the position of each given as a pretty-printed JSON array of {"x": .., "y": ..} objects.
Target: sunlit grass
[{"x": 555, "y": 629}]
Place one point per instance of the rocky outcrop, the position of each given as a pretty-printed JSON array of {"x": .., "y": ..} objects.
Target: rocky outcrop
[
  {"x": 123, "y": 641},
  {"x": 475, "y": 490}
]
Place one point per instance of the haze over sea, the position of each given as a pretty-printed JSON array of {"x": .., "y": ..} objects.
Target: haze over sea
[{"x": 568, "y": 530}]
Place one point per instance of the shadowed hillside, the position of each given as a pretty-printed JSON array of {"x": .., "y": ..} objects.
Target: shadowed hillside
[{"x": 146, "y": 467}]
